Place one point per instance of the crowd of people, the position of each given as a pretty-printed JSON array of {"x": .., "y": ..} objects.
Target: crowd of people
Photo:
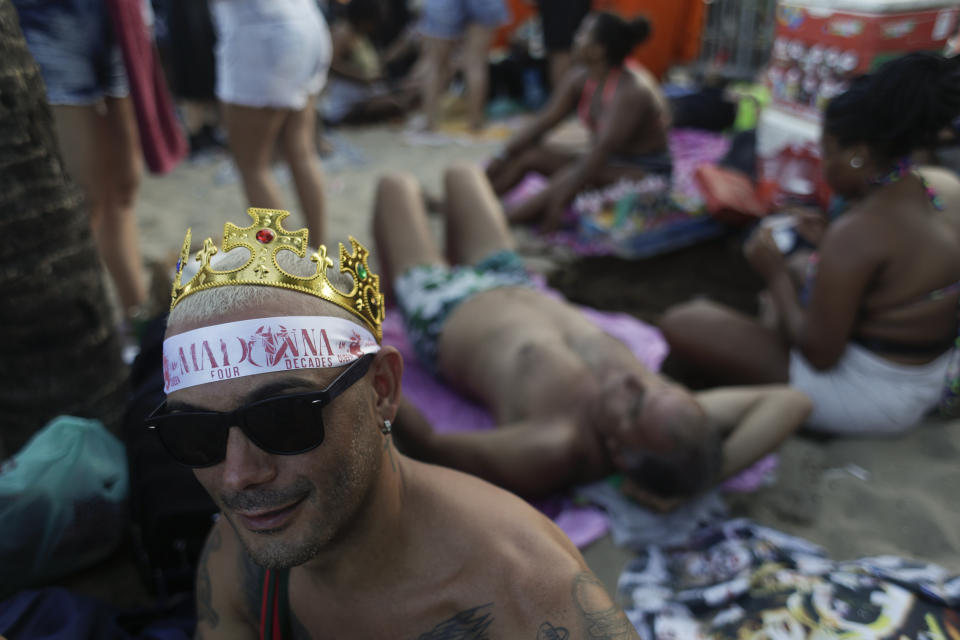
[{"x": 343, "y": 510}]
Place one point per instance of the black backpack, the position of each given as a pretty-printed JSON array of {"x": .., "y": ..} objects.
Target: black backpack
[{"x": 170, "y": 510}]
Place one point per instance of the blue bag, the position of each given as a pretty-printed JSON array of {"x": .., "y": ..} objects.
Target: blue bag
[{"x": 62, "y": 502}]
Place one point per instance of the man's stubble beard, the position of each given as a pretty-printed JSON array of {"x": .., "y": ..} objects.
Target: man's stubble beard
[{"x": 332, "y": 510}]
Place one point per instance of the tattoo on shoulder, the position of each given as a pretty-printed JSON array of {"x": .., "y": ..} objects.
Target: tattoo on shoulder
[
  {"x": 205, "y": 611},
  {"x": 469, "y": 624},
  {"x": 603, "y": 619},
  {"x": 549, "y": 632}
]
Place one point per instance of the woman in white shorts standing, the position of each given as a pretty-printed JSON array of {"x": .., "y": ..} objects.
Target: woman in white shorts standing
[{"x": 272, "y": 61}]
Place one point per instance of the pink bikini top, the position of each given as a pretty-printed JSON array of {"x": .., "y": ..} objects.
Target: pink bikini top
[{"x": 586, "y": 98}]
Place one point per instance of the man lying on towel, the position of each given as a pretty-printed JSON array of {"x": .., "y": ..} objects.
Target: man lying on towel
[{"x": 574, "y": 403}]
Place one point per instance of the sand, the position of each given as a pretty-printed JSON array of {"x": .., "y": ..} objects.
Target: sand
[{"x": 854, "y": 497}]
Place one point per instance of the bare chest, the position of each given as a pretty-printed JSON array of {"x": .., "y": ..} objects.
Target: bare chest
[{"x": 417, "y": 617}]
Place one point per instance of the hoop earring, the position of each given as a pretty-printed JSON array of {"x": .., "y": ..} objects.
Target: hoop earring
[
  {"x": 386, "y": 428},
  {"x": 856, "y": 162}
]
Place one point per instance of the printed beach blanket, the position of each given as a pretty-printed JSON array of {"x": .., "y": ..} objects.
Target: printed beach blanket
[{"x": 739, "y": 580}]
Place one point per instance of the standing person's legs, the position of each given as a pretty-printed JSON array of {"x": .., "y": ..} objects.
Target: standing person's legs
[
  {"x": 475, "y": 224},
  {"x": 560, "y": 19},
  {"x": 400, "y": 228},
  {"x": 477, "y": 72},
  {"x": 436, "y": 53},
  {"x": 253, "y": 134},
  {"x": 102, "y": 155},
  {"x": 727, "y": 346},
  {"x": 299, "y": 141},
  {"x": 118, "y": 233}
]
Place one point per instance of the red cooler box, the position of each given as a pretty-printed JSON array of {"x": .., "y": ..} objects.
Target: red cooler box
[{"x": 821, "y": 44}]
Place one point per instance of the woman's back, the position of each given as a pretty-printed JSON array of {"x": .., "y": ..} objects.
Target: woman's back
[{"x": 909, "y": 309}]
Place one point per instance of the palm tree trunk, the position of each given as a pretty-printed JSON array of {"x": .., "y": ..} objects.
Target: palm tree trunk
[{"x": 59, "y": 351}]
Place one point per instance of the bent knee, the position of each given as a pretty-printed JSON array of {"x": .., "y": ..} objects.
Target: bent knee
[
  {"x": 461, "y": 172},
  {"x": 688, "y": 318},
  {"x": 125, "y": 189},
  {"x": 392, "y": 185}
]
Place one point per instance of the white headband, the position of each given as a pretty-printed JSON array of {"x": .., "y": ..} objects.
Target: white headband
[{"x": 261, "y": 345}]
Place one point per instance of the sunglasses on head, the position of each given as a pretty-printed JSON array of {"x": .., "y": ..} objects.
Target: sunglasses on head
[{"x": 282, "y": 425}]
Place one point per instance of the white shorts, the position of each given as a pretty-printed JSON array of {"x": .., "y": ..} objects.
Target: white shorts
[
  {"x": 270, "y": 53},
  {"x": 866, "y": 394}
]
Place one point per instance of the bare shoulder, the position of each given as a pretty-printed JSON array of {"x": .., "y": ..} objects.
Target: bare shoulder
[
  {"x": 226, "y": 587},
  {"x": 858, "y": 233},
  {"x": 536, "y": 581}
]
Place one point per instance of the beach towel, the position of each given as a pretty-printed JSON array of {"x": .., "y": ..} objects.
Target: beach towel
[
  {"x": 741, "y": 580},
  {"x": 161, "y": 139},
  {"x": 449, "y": 411},
  {"x": 635, "y": 219}
]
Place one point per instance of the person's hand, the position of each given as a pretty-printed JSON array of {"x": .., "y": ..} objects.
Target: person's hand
[
  {"x": 810, "y": 225},
  {"x": 647, "y": 498},
  {"x": 763, "y": 254}
]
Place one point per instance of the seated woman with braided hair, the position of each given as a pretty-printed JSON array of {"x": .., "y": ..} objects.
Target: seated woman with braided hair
[
  {"x": 873, "y": 345},
  {"x": 621, "y": 105}
]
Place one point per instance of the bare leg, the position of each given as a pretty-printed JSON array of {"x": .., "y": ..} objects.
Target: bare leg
[
  {"x": 476, "y": 69},
  {"x": 400, "y": 228},
  {"x": 299, "y": 141},
  {"x": 726, "y": 345},
  {"x": 102, "y": 153},
  {"x": 253, "y": 135},
  {"x": 436, "y": 53},
  {"x": 475, "y": 225},
  {"x": 543, "y": 159}
]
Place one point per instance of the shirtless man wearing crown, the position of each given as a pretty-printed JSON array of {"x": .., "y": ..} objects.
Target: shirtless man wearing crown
[
  {"x": 326, "y": 530},
  {"x": 574, "y": 404}
]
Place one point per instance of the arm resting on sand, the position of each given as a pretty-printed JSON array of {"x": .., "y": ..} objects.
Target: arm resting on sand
[{"x": 753, "y": 420}]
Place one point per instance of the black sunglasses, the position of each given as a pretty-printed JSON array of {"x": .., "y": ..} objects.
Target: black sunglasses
[{"x": 282, "y": 425}]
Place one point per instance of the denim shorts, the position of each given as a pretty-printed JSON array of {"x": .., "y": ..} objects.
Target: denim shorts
[
  {"x": 74, "y": 45},
  {"x": 448, "y": 19}
]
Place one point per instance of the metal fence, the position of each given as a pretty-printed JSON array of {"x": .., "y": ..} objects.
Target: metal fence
[{"x": 737, "y": 37}]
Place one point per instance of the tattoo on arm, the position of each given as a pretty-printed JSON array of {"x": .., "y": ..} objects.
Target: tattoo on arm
[
  {"x": 469, "y": 624},
  {"x": 549, "y": 632},
  {"x": 603, "y": 619},
  {"x": 205, "y": 611}
]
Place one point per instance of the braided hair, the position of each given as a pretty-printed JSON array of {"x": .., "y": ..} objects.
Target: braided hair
[
  {"x": 618, "y": 36},
  {"x": 900, "y": 107}
]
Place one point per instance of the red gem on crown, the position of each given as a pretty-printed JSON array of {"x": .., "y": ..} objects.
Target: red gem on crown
[{"x": 265, "y": 236}]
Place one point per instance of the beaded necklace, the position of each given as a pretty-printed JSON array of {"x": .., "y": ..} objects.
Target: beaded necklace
[{"x": 903, "y": 167}]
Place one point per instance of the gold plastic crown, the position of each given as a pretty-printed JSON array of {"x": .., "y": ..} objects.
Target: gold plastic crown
[{"x": 264, "y": 238}]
